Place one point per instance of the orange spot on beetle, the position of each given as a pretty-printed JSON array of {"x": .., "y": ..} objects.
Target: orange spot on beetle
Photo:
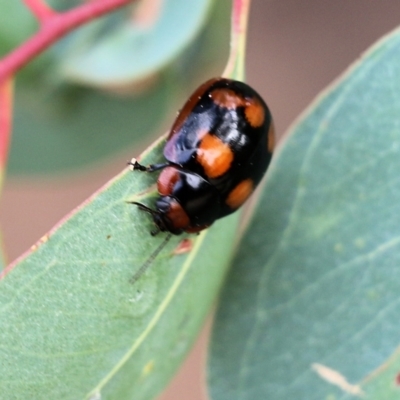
[
  {"x": 214, "y": 155},
  {"x": 227, "y": 98},
  {"x": 166, "y": 181},
  {"x": 254, "y": 112},
  {"x": 177, "y": 216},
  {"x": 240, "y": 194}
]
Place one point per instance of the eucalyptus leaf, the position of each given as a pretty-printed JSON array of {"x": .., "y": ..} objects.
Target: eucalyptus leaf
[
  {"x": 310, "y": 310},
  {"x": 73, "y": 326},
  {"x": 16, "y": 24},
  {"x": 123, "y": 49}
]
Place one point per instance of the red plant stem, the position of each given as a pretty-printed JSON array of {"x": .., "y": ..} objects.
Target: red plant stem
[
  {"x": 40, "y": 9},
  {"x": 6, "y": 94},
  {"x": 55, "y": 26}
]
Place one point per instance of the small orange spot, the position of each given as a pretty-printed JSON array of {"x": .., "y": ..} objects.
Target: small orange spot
[
  {"x": 44, "y": 238},
  {"x": 271, "y": 138},
  {"x": 177, "y": 216},
  {"x": 227, "y": 98},
  {"x": 254, "y": 112},
  {"x": 148, "y": 369},
  {"x": 166, "y": 181},
  {"x": 214, "y": 155},
  {"x": 397, "y": 379},
  {"x": 240, "y": 194},
  {"x": 183, "y": 247}
]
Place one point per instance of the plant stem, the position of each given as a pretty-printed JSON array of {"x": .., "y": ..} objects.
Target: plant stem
[
  {"x": 56, "y": 26},
  {"x": 40, "y": 9},
  {"x": 6, "y": 95}
]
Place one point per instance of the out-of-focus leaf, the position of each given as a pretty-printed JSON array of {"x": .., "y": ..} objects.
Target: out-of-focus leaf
[
  {"x": 130, "y": 47},
  {"x": 59, "y": 127},
  {"x": 16, "y": 24},
  {"x": 310, "y": 309}
]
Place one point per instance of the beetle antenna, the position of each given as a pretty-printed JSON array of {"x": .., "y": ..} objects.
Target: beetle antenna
[
  {"x": 150, "y": 260},
  {"x": 144, "y": 208}
]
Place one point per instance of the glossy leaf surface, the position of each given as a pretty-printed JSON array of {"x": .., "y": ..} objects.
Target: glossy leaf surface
[{"x": 310, "y": 309}]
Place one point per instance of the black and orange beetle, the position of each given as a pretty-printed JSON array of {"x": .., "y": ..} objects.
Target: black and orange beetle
[{"x": 217, "y": 151}]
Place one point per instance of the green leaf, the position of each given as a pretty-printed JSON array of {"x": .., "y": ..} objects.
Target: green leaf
[
  {"x": 16, "y": 24},
  {"x": 57, "y": 130},
  {"x": 128, "y": 48},
  {"x": 59, "y": 127},
  {"x": 74, "y": 327},
  {"x": 310, "y": 309}
]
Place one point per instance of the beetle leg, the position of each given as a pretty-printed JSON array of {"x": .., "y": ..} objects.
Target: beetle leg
[
  {"x": 155, "y": 231},
  {"x": 152, "y": 212},
  {"x": 135, "y": 166}
]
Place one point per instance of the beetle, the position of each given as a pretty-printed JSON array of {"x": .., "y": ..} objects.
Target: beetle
[{"x": 217, "y": 151}]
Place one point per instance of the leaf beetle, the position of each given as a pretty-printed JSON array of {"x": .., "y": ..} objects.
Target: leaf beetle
[{"x": 217, "y": 151}]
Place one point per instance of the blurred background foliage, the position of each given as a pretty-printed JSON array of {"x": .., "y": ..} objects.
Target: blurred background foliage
[{"x": 112, "y": 84}]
